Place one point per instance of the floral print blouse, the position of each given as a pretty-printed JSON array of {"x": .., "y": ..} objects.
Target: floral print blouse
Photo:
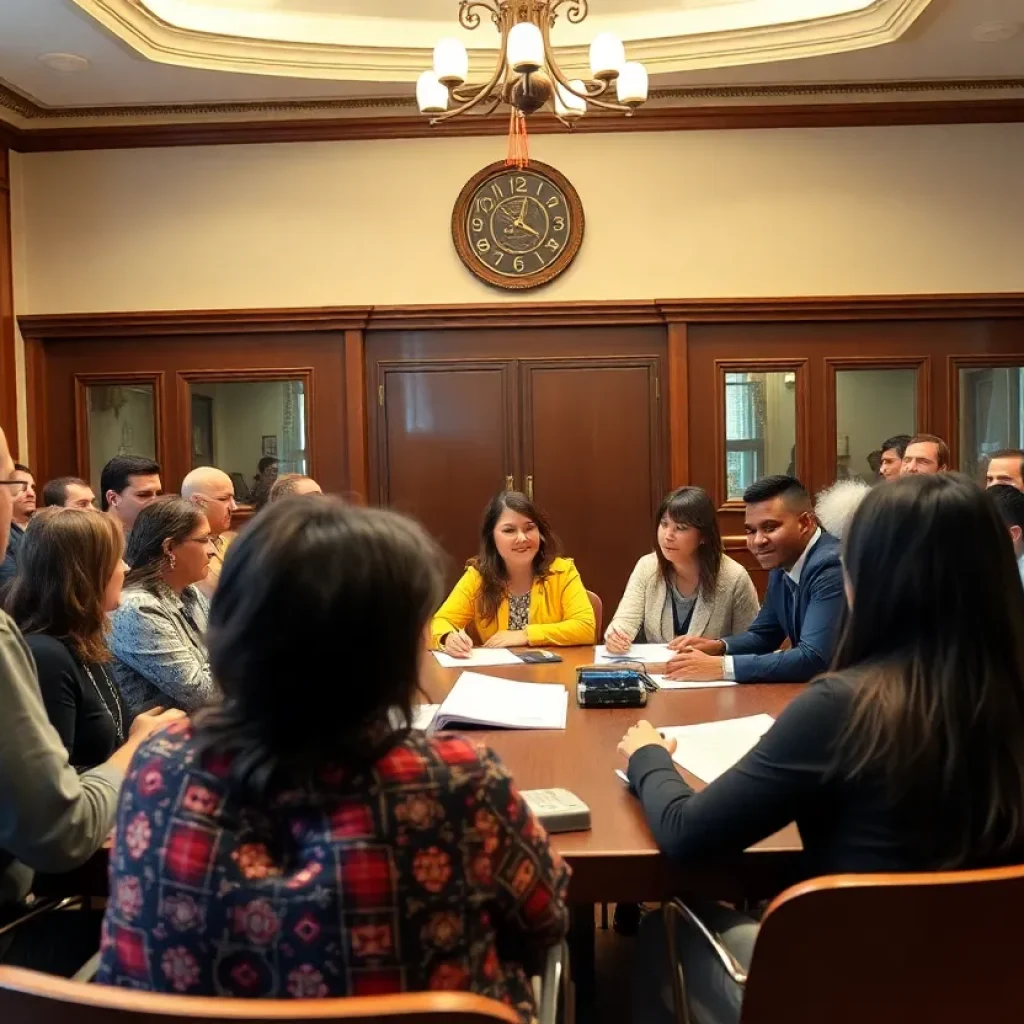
[{"x": 419, "y": 874}]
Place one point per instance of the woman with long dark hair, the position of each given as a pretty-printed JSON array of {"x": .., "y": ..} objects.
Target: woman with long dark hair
[
  {"x": 157, "y": 635},
  {"x": 70, "y": 573},
  {"x": 687, "y": 585},
  {"x": 299, "y": 840},
  {"x": 517, "y": 592},
  {"x": 908, "y": 755}
]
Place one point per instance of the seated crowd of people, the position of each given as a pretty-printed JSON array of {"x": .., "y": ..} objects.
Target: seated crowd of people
[{"x": 282, "y": 830}]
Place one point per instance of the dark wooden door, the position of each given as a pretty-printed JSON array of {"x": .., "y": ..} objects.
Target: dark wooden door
[
  {"x": 445, "y": 432},
  {"x": 591, "y": 455}
]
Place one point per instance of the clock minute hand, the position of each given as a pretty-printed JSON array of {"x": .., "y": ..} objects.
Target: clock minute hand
[{"x": 521, "y": 223}]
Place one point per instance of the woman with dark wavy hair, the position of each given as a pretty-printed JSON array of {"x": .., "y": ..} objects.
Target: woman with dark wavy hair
[
  {"x": 300, "y": 840},
  {"x": 517, "y": 592},
  {"x": 907, "y": 756}
]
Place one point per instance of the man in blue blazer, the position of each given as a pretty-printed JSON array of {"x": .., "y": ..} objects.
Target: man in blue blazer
[{"x": 804, "y": 601}]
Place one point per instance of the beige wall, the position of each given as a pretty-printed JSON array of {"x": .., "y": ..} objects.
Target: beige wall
[{"x": 689, "y": 214}]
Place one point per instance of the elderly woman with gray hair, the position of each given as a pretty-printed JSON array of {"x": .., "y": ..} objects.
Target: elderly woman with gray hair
[
  {"x": 835, "y": 506},
  {"x": 158, "y": 633}
]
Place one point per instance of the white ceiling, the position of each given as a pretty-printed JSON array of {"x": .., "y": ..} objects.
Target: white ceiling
[{"x": 938, "y": 46}]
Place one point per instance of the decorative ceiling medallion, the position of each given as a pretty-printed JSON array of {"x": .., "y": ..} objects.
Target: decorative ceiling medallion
[{"x": 133, "y": 21}]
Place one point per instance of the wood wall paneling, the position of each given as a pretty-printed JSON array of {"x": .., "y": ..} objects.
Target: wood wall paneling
[
  {"x": 355, "y": 416},
  {"x": 591, "y": 443},
  {"x": 56, "y": 407},
  {"x": 678, "y": 404},
  {"x": 8, "y": 363}
]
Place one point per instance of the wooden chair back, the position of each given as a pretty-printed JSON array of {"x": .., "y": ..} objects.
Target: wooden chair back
[
  {"x": 598, "y": 605},
  {"x": 847, "y": 949},
  {"x": 28, "y": 997}
]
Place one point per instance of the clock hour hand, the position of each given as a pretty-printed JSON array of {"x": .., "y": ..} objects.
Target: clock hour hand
[{"x": 520, "y": 222}]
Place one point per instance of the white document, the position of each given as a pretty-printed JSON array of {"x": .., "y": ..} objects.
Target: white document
[
  {"x": 709, "y": 749},
  {"x": 479, "y": 657},
  {"x": 423, "y": 715},
  {"x": 649, "y": 654},
  {"x": 477, "y": 699},
  {"x": 672, "y": 684}
]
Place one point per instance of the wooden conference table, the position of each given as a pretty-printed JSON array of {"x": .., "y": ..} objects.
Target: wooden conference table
[{"x": 617, "y": 861}]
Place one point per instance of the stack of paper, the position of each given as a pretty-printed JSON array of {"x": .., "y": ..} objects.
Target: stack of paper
[
  {"x": 479, "y": 656},
  {"x": 683, "y": 684},
  {"x": 423, "y": 715},
  {"x": 648, "y": 654},
  {"x": 709, "y": 749},
  {"x": 477, "y": 699}
]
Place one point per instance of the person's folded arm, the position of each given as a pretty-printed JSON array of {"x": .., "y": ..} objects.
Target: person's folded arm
[
  {"x": 763, "y": 792},
  {"x": 813, "y": 654},
  {"x": 147, "y": 641},
  {"x": 764, "y": 634},
  {"x": 577, "y": 626},
  {"x": 51, "y": 819},
  {"x": 459, "y": 608}
]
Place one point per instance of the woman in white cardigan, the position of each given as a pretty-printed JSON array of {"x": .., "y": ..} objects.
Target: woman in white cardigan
[{"x": 687, "y": 585}]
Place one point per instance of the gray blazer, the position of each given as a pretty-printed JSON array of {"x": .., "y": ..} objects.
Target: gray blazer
[
  {"x": 159, "y": 648},
  {"x": 646, "y": 603}
]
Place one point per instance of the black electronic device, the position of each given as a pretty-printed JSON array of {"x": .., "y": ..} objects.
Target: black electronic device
[{"x": 600, "y": 686}]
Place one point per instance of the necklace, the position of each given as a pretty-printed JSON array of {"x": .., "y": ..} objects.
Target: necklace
[{"x": 117, "y": 718}]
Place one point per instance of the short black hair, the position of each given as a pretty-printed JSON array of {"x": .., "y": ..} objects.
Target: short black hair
[
  {"x": 783, "y": 486},
  {"x": 56, "y": 491},
  {"x": 267, "y": 460},
  {"x": 117, "y": 471},
  {"x": 20, "y": 467},
  {"x": 897, "y": 443},
  {"x": 1009, "y": 502}
]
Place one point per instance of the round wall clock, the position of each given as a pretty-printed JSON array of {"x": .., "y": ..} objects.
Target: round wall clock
[{"x": 518, "y": 228}]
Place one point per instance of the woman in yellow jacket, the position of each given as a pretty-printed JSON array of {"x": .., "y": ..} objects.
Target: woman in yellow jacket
[{"x": 517, "y": 592}]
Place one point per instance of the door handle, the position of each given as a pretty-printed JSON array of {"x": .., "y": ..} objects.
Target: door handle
[
  {"x": 529, "y": 487},
  {"x": 510, "y": 484}
]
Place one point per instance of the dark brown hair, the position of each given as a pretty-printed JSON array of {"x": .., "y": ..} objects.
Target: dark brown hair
[
  {"x": 65, "y": 562},
  {"x": 939, "y": 664},
  {"x": 691, "y": 506},
  {"x": 305, "y": 572},
  {"x": 491, "y": 565},
  {"x": 942, "y": 449},
  {"x": 169, "y": 517}
]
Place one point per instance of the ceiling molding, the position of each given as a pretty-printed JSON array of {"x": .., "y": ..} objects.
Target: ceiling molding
[
  {"x": 995, "y": 305},
  {"x": 664, "y": 119},
  {"x": 880, "y": 22},
  {"x": 27, "y": 107}
]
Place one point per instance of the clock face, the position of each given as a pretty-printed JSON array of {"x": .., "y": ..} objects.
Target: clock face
[{"x": 518, "y": 228}]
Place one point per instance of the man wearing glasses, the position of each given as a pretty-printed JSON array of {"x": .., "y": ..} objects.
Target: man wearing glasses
[
  {"x": 212, "y": 491},
  {"x": 24, "y": 504}
]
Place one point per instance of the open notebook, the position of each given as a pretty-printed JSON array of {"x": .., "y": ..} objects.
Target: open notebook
[{"x": 494, "y": 703}]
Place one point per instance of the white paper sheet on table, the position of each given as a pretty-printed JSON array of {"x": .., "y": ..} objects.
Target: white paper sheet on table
[
  {"x": 649, "y": 654},
  {"x": 672, "y": 684},
  {"x": 709, "y": 749},
  {"x": 477, "y": 699},
  {"x": 479, "y": 657}
]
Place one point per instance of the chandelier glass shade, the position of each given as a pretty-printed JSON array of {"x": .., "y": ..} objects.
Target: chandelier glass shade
[{"x": 527, "y": 75}]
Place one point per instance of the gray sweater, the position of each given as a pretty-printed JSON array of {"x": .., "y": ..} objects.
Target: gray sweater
[{"x": 51, "y": 818}]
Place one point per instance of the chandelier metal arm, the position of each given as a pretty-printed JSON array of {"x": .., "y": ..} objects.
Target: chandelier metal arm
[
  {"x": 469, "y": 19},
  {"x": 500, "y": 70},
  {"x": 577, "y": 12},
  {"x": 559, "y": 76}
]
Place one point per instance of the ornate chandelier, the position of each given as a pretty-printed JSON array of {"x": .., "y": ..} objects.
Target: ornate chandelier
[{"x": 526, "y": 75}]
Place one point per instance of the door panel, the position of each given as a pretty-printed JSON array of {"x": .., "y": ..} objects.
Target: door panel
[
  {"x": 446, "y": 432},
  {"x": 591, "y": 445}
]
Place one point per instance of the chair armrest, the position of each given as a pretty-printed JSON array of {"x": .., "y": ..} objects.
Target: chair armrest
[
  {"x": 550, "y": 990},
  {"x": 39, "y": 907},
  {"x": 88, "y": 970},
  {"x": 677, "y": 909}
]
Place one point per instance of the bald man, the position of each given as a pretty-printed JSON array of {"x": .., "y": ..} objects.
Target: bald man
[{"x": 212, "y": 491}]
